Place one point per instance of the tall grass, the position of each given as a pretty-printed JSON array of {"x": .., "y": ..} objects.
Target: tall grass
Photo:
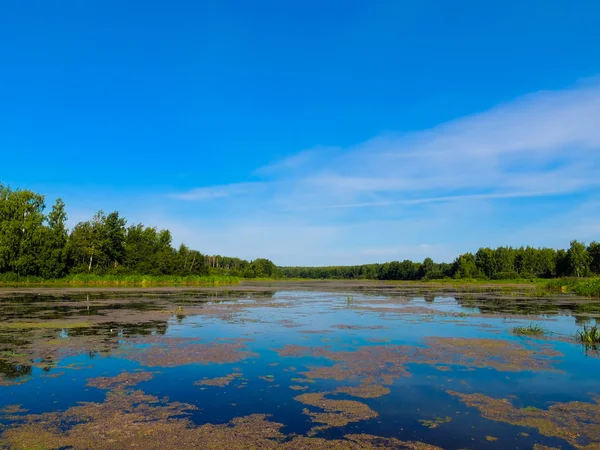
[
  {"x": 533, "y": 329},
  {"x": 587, "y": 287},
  {"x": 589, "y": 335}
]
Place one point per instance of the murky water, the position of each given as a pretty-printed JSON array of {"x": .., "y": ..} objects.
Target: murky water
[{"x": 296, "y": 366}]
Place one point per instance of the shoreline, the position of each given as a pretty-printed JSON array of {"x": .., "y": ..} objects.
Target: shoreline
[{"x": 270, "y": 284}]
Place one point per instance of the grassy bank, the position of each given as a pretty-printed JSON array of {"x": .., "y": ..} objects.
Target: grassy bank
[
  {"x": 588, "y": 287},
  {"x": 120, "y": 280}
]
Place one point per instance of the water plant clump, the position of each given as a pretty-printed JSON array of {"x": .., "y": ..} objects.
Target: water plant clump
[
  {"x": 589, "y": 335},
  {"x": 533, "y": 329}
]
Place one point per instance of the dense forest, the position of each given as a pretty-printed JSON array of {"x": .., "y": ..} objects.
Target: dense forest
[
  {"x": 37, "y": 243},
  {"x": 34, "y": 243},
  {"x": 496, "y": 264}
]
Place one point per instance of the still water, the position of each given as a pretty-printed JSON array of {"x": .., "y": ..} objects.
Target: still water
[{"x": 296, "y": 367}]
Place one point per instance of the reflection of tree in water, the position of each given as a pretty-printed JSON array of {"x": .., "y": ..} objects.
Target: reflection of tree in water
[
  {"x": 527, "y": 306},
  {"x": 23, "y": 349},
  {"x": 44, "y": 350},
  {"x": 12, "y": 371}
]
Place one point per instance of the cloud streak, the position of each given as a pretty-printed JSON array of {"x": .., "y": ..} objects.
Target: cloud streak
[{"x": 218, "y": 192}]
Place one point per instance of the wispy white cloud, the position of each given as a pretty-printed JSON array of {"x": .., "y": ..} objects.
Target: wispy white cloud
[
  {"x": 484, "y": 179},
  {"x": 295, "y": 162},
  {"x": 220, "y": 191}
]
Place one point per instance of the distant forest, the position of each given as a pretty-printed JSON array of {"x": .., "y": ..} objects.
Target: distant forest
[
  {"x": 502, "y": 263},
  {"x": 36, "y": 243}
]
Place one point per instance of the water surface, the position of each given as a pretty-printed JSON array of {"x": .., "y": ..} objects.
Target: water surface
[{"x": 296, "y": 366}]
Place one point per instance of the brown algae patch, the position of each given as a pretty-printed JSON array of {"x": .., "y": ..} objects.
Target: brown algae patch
[
  {"x": 124, "y": 379},
  {"x": 315, "y": 331},
  {"x": 379, "y": 364},
  {"x": 13, "y": 409},
  {"x": 52, "y": 375},
  {"x": 336, "y": 413},
  {"x": 132, "y": 419},
  {"x": 354, "y": 442},
  {"x": 481, "y": 353},
  {"x": 578, "y": 423},
  {"x": 219, "y": 381},
  {"x": 358, "y": 327},
  {"x": 435, "y": 422},
  {"x": 296, "y": 387},
  {"x": 267, "y": 378},
  {"x": 11, "y": 412},
  {"x": 367, "y": 389},
  {"x": 375, "y": 367},
  {"x": 5, "y": 382},
  {"x": 179, "y": 352},
  {"x": 383, "y": 363}
]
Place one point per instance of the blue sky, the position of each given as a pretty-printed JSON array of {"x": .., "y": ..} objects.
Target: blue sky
[{"x": 311, "y": 133}]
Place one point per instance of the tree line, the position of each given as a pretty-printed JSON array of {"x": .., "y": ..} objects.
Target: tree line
[
  {"x": 500, "y": 263},
  {"x": 37, "y": 243}
]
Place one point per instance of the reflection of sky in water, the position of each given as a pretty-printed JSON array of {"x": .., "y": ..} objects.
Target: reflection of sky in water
[{"x": 271, "y": 323}]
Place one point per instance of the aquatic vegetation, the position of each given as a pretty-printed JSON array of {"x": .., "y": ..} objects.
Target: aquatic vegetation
[
  {"x": 124, "y": 379},
  {"x": 336, "y": 413},
  {"x": 435, "y": 422},
  {"x": 495, "y": 353},
  {"x": 383, "y": 364},
  {"x": 13, "y": 409},
  {"x": 354, "y": 442},
  {"x": 219, "y": 381},
  {"x": 53, "y": 325},
  {"x": 128, "y": 419},
  {"x": 267, "y": 378},
  {"x": 11, "y": 413},
  {"x": 578, "y": 423},
  {"x": 587, "y": 287},
  {"x": 52, "y": 375},
  {"x": 358, "y": 327},
  {"x": 533, "y": 329},
  {"x": 589, "y": 335},
  {"x": 367, "y": 389},
  {"x": 171, "y": 352}
]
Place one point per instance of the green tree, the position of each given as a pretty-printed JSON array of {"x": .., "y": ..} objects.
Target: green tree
[
  {"x": 594, "y": 252},
  {"x": 263, "y": 268},
  {"x": 54, "y": 252},
  {"x": 484, "y": 260},
  {"x": 579, "y": 259},
  {"x": 504, "y": 260},
  {"x": 87, "y": 244},
  {"x": 21, "y": 231},
  {"x": 112, "y": 237},
  {"x": 465, "y": 267},
  {"x": 427, "y": 269},
  {"x": 562, "y": 264}
]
